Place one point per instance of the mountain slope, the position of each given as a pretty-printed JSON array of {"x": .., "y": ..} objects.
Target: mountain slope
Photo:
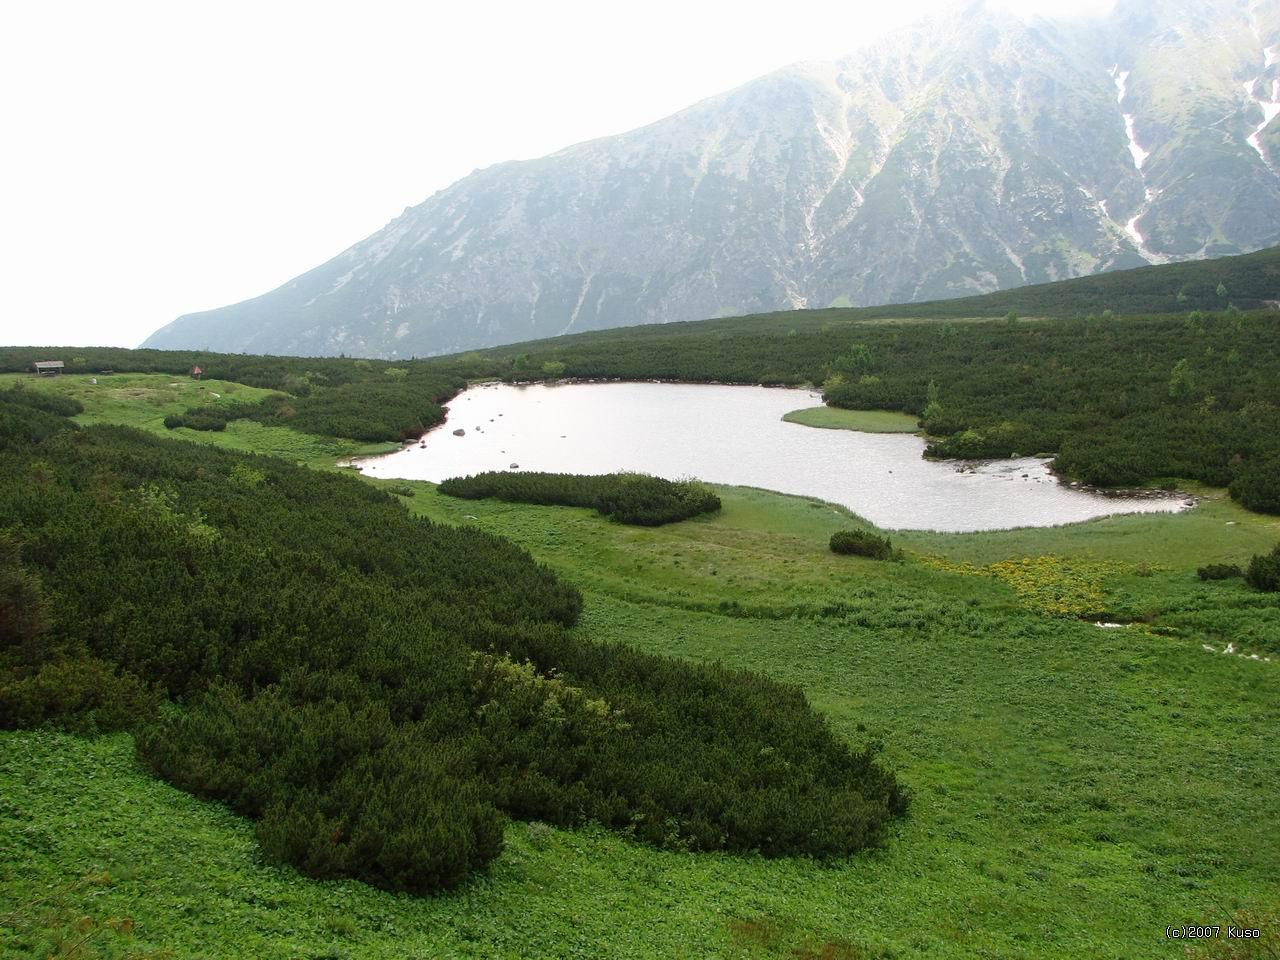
[
  {"x": 972, "y": 152},
  {"x": 1248, "y": 281}
]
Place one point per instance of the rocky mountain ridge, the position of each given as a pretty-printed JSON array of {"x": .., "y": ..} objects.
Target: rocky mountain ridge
[{"x": 971, "y": 152}]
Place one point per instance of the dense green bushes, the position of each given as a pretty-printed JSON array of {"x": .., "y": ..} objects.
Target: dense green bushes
[
  {"x": 378, "y": 692},
  {"x": 40, "y": 400},
  {"x": 1219, "y": 571},
  {"x": 377, "y": 409},
  {"x": 1264, "y": 571},
  {"x": 366, "y": 400},
  {"x": 383, "y": 411},
  {"x": 1257, "y": 484},
  {"x": 201, "y": 418},
  {"x": 632, "y": 498},
  {"x": 341, "y": 785},
  {"x": 862, "y": 543}
]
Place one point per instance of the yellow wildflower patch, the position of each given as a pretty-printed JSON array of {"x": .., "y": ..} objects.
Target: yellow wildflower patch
[{"x": 1060, "y": 586}]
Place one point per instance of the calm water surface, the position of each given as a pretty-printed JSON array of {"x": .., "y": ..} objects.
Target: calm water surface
[{"x": 735, "y": 435}]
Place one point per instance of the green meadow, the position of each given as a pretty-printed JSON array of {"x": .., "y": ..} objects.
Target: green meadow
[
  {"x": 1076, "y": 789},
  {"x": 143, "y": 400},
  {"x": 868, "y": 421}
]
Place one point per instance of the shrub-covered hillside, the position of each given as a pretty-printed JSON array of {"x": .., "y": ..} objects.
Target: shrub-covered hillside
[
  {"x": 377, "y": 691},
  {"x": 1247, "y": 282},
  {"x": 366, "y": 400},
  {"x": 632, "y": 498}
]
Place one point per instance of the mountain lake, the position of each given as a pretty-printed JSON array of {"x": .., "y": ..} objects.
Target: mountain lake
[{"x": 735, "y": 435}]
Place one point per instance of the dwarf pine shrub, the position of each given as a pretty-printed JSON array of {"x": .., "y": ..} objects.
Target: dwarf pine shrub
[{"x": 862, "y": 543}]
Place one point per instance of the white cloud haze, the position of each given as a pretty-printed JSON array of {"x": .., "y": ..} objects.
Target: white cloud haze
[{"x": 162, "y": 158}]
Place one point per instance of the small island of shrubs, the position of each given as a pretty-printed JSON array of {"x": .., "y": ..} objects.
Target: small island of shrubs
[
  {"x": 862, "y": 543},
  {"x": 633, "y": 498}
]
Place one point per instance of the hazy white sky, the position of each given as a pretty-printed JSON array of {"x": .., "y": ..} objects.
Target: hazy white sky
[{"x": 161, "y": 158}]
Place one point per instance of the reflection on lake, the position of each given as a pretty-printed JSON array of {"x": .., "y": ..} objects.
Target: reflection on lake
[{"x": 735, "y": 435}]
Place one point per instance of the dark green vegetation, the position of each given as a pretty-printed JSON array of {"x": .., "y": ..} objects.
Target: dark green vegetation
[
  {"x": 862, "y": 543},
  {"x": 632, "y": 498},
  {"x": 201, "y": 418},
  {"x": 365, "y": 400},
  {"x": 1069, "y": 783},
  {"x": 376, "y": 690},
  {"x": 1248, "y": 282},
  {"x": 1219, "y": 571},
  {"x": 1264, "y": 571}
]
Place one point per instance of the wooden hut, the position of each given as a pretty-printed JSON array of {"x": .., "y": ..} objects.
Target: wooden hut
[{"x": 48, "y": 368}]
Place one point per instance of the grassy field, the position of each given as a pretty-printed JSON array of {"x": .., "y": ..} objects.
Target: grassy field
[
  {"x": 143, "y": 400},
  {"x": 868, "y": 421},
  {"x": 1076, "y": 789}
]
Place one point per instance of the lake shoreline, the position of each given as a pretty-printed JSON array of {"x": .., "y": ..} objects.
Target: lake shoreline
[
  {"x": 735, "y": 434},
  {"x": 959, "y": 462}
]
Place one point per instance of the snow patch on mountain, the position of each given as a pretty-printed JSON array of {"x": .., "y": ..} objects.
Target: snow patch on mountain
[
  {"x": 1269, "y": 105},
  {"x": 1139, "y": 155},
  {"x": 941, "y": 160}
]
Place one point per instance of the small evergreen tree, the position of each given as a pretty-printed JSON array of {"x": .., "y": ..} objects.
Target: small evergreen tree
[
  {"x": 933, "y": 406},
  {"x": 1181, "y": 381}
]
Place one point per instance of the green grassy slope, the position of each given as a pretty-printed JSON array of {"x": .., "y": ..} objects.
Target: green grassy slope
[
  {"x": 143, "y": 400},
  {"x": 1075, "y": 788},
  {"x": 1249, "y": 281}
]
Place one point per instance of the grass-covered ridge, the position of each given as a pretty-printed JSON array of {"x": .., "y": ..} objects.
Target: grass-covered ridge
[
  {"x": 379, "y": 692},
  {"x": 1247, "y": 282},
  {"x": 634, "y": 498}
]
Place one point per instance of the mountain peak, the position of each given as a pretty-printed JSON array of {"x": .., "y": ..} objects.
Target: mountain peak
[{"x": 975, "y": 150}]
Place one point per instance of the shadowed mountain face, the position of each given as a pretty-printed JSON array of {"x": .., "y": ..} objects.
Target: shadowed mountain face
[{"x": 972, "y": 152}]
